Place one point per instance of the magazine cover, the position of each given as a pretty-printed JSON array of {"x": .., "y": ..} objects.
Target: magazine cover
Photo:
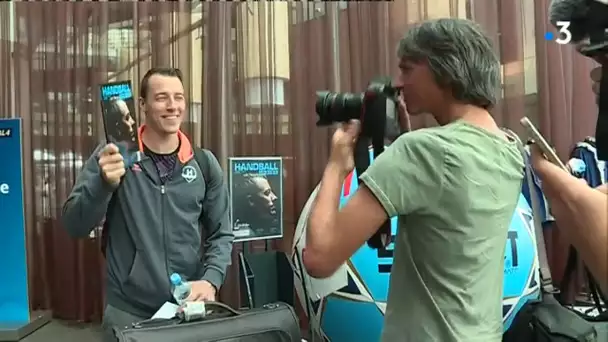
[
  {"x": 256, "y": 185},
  {"x": 118, "y": 110}
]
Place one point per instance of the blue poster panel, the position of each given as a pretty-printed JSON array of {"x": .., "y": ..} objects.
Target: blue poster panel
[{"x": 14, "y": 302}]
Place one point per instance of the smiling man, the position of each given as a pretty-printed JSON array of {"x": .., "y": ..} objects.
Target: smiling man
[
  {"x": 454, "y": 188},
  {"x": 161, "y": 215}
]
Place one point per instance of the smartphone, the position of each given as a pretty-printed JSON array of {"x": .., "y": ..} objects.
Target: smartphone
[{"x": 542, "y": 143}]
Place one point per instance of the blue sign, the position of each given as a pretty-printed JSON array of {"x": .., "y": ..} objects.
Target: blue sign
[
  {"x": 14, "y": 301},
  {"x": 521, "y": 275}
]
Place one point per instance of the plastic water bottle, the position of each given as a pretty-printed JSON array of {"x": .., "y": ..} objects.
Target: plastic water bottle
[{"x": 181, "y": 289}]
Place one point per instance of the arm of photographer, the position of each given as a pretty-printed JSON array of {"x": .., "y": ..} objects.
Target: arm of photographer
[
  {"x": 581, "y": 213},
  {"x": 403, "y": 179}
]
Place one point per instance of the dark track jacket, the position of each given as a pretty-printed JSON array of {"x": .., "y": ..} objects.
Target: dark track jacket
[{"x": 154, "y": 229}]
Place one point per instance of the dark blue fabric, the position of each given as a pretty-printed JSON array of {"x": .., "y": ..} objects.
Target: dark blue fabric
[
  {"x": 546, "y": 216},
  {"x": 595, "y": 172}
]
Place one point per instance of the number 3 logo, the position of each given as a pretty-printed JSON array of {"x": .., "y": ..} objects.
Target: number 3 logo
[{"x": 565, "y": 36}]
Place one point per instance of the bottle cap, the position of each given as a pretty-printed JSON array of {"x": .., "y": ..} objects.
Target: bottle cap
[{"x": 176, "y": 279}]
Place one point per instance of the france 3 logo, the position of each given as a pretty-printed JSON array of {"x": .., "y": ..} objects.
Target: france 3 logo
[{"x": 563, "y": 36}]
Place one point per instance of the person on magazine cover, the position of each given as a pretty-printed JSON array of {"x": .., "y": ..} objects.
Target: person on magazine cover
[
  {"x": 161, "y": 216},
  {"x": 121, "y": 129},
  {"x": 121, "y": 126},
  {"x": 255, "y": 204}
]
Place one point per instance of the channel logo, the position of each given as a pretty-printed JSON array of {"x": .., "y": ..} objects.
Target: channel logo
[{"x": 563, "y": 36}]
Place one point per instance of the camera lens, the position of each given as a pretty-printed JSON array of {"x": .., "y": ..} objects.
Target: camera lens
[{"x": 337, "y": 107}]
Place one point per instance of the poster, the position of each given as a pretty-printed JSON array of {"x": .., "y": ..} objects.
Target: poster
[
  {"x": 14, "y": 301},
  {"x": 118, "y": 110},
  {"x": 256, "y": 187}
]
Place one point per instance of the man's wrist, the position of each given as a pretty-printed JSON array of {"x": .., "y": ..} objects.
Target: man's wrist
[
  {"x": 334, "y": 171},
  {"x": 213, "y": 277}
]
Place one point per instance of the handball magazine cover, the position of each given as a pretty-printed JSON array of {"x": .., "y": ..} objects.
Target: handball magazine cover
[
  {"x": 118, "y": 110},
  {"x": 256, "y": 185}
]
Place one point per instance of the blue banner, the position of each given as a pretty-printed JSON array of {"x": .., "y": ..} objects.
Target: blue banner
[{"x": 14, "y": 301}]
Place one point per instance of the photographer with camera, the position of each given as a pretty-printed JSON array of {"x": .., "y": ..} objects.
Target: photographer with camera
[{"x": 454, "y": 188}]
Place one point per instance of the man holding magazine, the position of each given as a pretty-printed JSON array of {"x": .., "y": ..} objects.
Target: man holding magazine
[{"x": 164, "y": 214}]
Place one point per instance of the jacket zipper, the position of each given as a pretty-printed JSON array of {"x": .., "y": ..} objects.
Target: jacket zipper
[{"x": 162, "y": 217}]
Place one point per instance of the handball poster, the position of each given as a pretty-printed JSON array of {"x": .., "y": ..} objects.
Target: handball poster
[
  {"x": 118, "y": 110},
  {"x": 256, "y": 188}
]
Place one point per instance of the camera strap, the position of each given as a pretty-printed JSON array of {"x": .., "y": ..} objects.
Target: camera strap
[
  {"x": 541, "y": 248},
  {"x": 382, "y": 237}
]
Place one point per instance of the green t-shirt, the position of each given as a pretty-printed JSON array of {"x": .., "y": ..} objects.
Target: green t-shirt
[{"x": 455, "y": 189}]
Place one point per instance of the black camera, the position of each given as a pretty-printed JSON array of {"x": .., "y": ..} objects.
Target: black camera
[{"x": 377, "y": 110}]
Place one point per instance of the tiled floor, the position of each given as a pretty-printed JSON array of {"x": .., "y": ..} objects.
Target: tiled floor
[{"x": 58, "y": 331}]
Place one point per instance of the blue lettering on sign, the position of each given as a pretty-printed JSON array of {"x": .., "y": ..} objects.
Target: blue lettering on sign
[
  {"x": 512, "y": 236},
  {"x": 265, "y": 168},
  {"x": 123, "y": 91},
  {"x": 520, "y": 251}
]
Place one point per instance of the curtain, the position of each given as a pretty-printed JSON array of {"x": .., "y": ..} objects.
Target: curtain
[{"x": 251, "y": 73}]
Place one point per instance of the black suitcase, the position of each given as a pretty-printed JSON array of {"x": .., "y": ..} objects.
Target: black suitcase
[{"x": 276, "y": 322}]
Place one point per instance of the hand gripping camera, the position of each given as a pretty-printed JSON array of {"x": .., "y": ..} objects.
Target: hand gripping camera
[{"x": 376, "y": 108}]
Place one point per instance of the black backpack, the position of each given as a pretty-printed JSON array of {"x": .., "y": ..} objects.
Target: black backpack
[
  {"x": 201, "y": 156},
  {"x": 547, "y": 320}
]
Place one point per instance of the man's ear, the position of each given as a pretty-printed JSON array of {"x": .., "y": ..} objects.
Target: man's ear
[{"x": 142, "y": 105}]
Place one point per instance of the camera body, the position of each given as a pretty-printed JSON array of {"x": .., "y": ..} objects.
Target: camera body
[{"x": 376, "y": 108}]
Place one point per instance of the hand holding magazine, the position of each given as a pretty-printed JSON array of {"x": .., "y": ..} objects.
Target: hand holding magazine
[{"x": 118, "y": 110}]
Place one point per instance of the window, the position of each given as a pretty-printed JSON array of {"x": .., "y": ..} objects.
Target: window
[
  {"x": 284, "y": 124},
  {"x": 309, "y": 10},
  {"x": 49, "y": 164},
  {"x": 253, "y": 123}
]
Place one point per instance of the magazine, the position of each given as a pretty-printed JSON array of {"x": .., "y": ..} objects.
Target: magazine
[
  {"x": 256, "y": 185},
  {"x": 118, "y": 110}
]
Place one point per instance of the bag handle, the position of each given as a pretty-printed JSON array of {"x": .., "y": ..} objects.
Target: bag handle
[
  {"x": 217, "y": 306},
  {"x": 545, "y": 272}
]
